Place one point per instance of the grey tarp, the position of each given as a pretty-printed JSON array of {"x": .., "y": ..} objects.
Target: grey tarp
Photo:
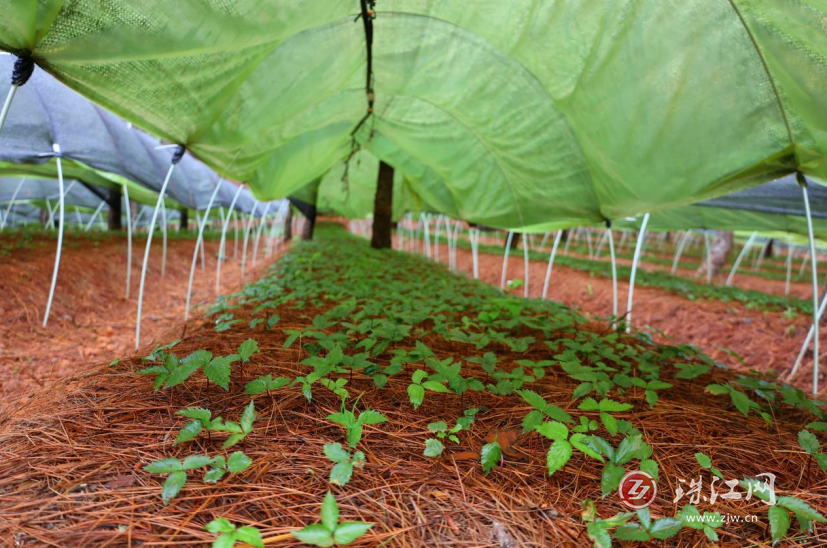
[{"x": 45, "y": 112}]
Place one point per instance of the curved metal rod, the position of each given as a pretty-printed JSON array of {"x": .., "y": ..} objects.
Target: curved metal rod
[
  {"x": 614, "y": 276},
  {"x": 551, "y": 256},
  {"x": 505, "y": 258},
  {"x": 740, "y": 258},
  {"x": 641, "y": 238},
  {"x": 199, "y": 243},
  {"x": 61, "y": 206},
  {"x": 128, "y": 239},
  {"x": 146, "y": 254},
  {"x": 221, "y": 246}
]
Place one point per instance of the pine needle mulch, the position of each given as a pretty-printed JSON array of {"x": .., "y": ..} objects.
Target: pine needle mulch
[{"x": 72, "y": 457}]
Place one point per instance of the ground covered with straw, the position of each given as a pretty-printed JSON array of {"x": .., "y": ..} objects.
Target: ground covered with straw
[{"x": 437, "y": 409}]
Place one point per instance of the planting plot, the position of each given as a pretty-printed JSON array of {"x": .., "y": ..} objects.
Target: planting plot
[
  {"x": 433, "y": 409},
  {"x": 91, "y": 318}
]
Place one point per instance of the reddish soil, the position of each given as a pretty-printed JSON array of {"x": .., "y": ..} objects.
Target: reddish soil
[
  {"x": 91, "y": 319},
  {"x": 765, "y": 340}
]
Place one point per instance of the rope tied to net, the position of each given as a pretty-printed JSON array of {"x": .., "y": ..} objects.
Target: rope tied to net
[{"x": 23, "y": 69}]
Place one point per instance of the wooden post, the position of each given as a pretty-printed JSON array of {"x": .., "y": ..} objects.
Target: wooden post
[
  {"x": 309, "y": 223},
  {"x": 383, "y": 208},
  {"x": 288, "y": 224},
  {"x": 115, "y": 210},
  {"x": 185, "y": 220}
]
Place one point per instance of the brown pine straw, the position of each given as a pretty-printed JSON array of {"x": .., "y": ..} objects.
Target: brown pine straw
[{"x": 71, "y": 458}]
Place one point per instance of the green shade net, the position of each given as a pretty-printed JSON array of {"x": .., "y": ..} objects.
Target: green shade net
[{"x": 512, "y": 114}]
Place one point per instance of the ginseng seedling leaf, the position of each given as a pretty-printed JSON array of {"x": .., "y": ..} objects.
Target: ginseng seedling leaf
[{"x": 218, "y": 371}]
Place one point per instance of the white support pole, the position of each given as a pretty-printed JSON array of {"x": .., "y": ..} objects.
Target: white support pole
[
  {"x": 94, "y": 216},
  {"x": 128, "y": 239},
  {"x": 760, "y": 258},
  {"x": 78, "y": 217},
  {"x": 249, "y": 225},
  {"x": 221, "y": 245},
  {"x": 505, "y": 258},
  {"x": 146, "y": 254},
  {"x": 261, "y": 224},
  {"x": 600, "y": 243},
  {"x": 641, "y": 239},
  {"x": 544, "y": 240},
  {"x": 551, "y": 256},
  {"x": 679, "y": 251},
  {"x": 614, "y": 274},
  {"x": 589, "y": 242},
  {"x": 164, "y": 235},
  {"x": 199, "y": 242},
  {"x": 572, "y": 232},
  {"x": 789, "y": 265},
  {"x": 741, "y": 256},
  {"x": 708, "y": 249},
  {"x": 4, "y": 113},
  {"x": 61, "y": 208},
  {"x": 814, "y": 261},
  {"x": 427, "y": 234},
  {"x": 525, "y": 260},
  {"x": 623, "y": 238},
  {"x": 475, "y": 244},
  {"x": 11, "y": 203},
  {"x": 436, "y": 238},
  {"x": 235, "y": 231},
  {"x": 804, "y": 262},
  {"x": 456, "y": 237}
]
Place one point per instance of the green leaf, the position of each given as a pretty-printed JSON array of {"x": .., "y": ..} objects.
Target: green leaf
[
  {"x": 801, "y": 509},
  {"x": 532, "y": 420},
  {"x": 197, "y": 413},
  {"x": 238, "y": 462},
  {"x": 578, "y": 441},
  {"x": 632, "y": 531},
  {"x": 226, "y": 540},
  {"x": 248, "y": 416},
  {"x": 557, "y": 413},
  {"x": 188, "y": 432},
  {"x": 218, "y": 371},
  {"x": 341, "y": 473},
  {"x": 589, "y": 404},
  {"x": 173, "y": 485},
  {"x": 316, "y": 535},
  {"x": 808, "y": 441},
  {"x": 247, "y": 349},
  {"x": 610, "y": 479},
  {"x": 558, "y": 455},
  {"x": 665, "y": 528},
  {"x": 779, "y": 523},
  {"x": 818, "y": 426},
  {"x": 272, "y": 321},
  {"x": 691, "y": 517},
  {"x": 434, "y": 386},
  {"x": 650, "y": 467},
  {"x": 419, "y": 375},
  {"x": 553, "y": 430},
  {"x": 611, "y": 406},
  {"x": 741, "y": 401},
  {"x": 214, "y": 475},
  {"x": 416, "y": 394},
  {"x": 703, "y": 460},
  {"x": 164, "y": 466},
  {"x": 182, "y": 373},
  {"x": 433, "y": 448},
  {"x": 349, "y": 531},
  {"x": 609, "y": 422},
  {"x": 627, "y": 449},
  {"x": 651, "y": 397},
  {"x": 196, "y": 461},
  {"x": 232, "y": 440},
  {"x": 691, "y": 371},
  {"x": 599, "y": 535},
  {"x": 372, "y": 417},
  {"x": 490, "y": 456},
  {"x": 354, "y": 434},
  {"x": 532, "y": 398},
  {"x": 336, "y": 453},
  {"x": 330, "y": 512},
  {"x": 220, "y": 525},
  {"x": 250, "y": 535}
]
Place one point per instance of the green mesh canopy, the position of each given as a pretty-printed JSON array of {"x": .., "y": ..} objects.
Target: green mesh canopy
[{"x": 509, "y": 113}]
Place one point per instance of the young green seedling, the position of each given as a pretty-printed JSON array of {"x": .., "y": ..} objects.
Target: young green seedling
[
  {"x": 201, "y": 420},
  {"x": 265, "y": 384},
  {"x": 606, "y": 407},
  {"x": 238, "y": 431},
  {"x": 331, "y": 531},
  {"x": 353, "y": 425},
  {"x": 416, "y": 390},
  {"x": 344, "y": 462},
  {"x": 433, "y": 446},
  {"x": 176, "y": 470},
  {"x": 229, "y": 534}
]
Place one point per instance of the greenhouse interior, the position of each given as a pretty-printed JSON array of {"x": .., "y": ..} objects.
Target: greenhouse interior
[{"x": 374, "y": 273}]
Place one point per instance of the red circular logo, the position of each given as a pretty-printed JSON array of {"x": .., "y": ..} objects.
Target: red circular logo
[{"x": 637, "y": 490}]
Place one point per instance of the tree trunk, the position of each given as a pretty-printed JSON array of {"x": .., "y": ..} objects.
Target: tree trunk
[
  {"x": 185, "y": 220},
  {"x": 115, "y": 210},
  {"x": 288, "y": 224},
  {"x": 383, "y": 208},
  {"x": 718, "y": 254},
  {"x": 309, "y": 223},
  {"x": 768, "y": 250}
]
